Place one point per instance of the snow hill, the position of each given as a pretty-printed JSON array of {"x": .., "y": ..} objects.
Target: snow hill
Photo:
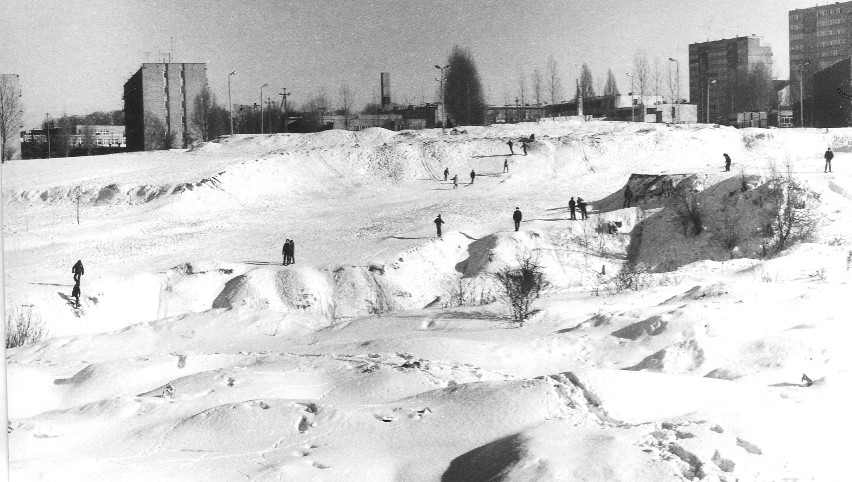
[{"x": 384, "y": 353}]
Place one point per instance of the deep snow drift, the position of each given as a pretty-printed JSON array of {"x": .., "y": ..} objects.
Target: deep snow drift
[{"x": 384, "y": 353}]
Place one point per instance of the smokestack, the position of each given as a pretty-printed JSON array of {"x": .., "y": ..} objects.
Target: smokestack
[{"x": 386, "y": 94}]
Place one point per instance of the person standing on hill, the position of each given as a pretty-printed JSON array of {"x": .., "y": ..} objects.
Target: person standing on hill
[
  {"x": 446, "y": 172},
  {"x": 524, "y": 146},
  {"x": 78, "y": 271},
  {"x": 292, "y": 252},
  {"x": 582, "y": 205},
  {"x": 828, "y": 157},
  {"x": 572, "y": 205},
  {"x": 472, "y": 176},
  {"x": 285, "y": 252},
  {"x": 727, "y": 162},
  {"x": 438, "y": 222},
  {"x": 456, "y": 181},
  {"x": 511, "y": 150},
  {"x": 506, "y": 165},
  {"x": 517, "y": 216}
]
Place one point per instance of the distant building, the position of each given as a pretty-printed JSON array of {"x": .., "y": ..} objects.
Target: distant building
[
  {"x": 819, "y": 38},
  {"x": 13, "y": 143},
  {"x": 159, "y": 103},
  {"x": 511, "y": 114},
  {"x": 716, "y": 69},
  {"x": 831, "y": 86}
]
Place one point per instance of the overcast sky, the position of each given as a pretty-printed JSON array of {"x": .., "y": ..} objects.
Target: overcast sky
[{"x": 74, "y": 56}]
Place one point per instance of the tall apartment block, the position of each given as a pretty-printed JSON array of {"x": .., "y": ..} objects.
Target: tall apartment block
[
  {"x": 158, "y": 104},
  {"x": 819, "y": 38},
  {"x": 726, "y": 62}
]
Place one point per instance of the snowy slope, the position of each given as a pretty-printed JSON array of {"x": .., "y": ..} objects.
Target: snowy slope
[{"x": 197, "y": 355}]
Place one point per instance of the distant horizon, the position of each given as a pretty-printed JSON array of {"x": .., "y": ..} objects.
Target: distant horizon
[{"x": 307, "y": 47}]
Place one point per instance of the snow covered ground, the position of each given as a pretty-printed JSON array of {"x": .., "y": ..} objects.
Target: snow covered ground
[{"x": 195, "y": 355}]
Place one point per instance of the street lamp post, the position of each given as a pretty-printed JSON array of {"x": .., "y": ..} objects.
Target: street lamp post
[
  {"x": 47, "y": 131},
  {"x": 677, "y": 83},
  {"x": 632, "y": 101},
  {"x": 443, "y": 106},
  {"x": 230, "y": 105},
  {"x": 801, "y": 95},
  {"x": 708, "y": 98},
  {"x": 284, "y": 105},
  {"x": 261, "y": 106}
]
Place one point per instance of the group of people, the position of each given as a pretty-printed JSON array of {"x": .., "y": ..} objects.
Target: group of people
[
  {"x": 455, "y": 178},
  {"x": 289, "y": 252},
  {"x": 578, "y": 204},
  {"x": 517, "y": 216},
  {"x": 524, "y": 144},
  {"x": 77, "y": 270}
]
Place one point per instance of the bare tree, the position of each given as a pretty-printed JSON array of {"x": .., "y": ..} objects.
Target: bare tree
[
  {"x": 610, "y": 92},
  {"x": 587, "y": 90},
  {"x": 657, "y": 78},
  {"x": 522, "y": 87},
  {"x": 88, "y": 137},
  {"x": 347, "y": 99},
  {"x": 537, "y": 86},
  {"x": 554, "y": 83},
  {"x": 641, "y": 73},
  {"x": 10, "y": 116},
  {"x": 792, "y": 207},
  {"x": 202, "y": 113}
]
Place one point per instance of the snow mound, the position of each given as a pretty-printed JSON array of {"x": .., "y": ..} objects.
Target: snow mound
[{"x": 683, "y": 357}]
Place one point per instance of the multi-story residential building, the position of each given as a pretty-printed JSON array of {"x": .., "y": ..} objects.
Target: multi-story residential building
[
  {"x": 158, "y": 104},
  {"x": 820, "y": 37},
  {"x": 718, "y": 69}
]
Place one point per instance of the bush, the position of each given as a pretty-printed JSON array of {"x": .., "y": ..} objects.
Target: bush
[
  {"x": 521, "y": 286},
  {"x": 23, "y": 327},
  {"x": 792, "y": 213},
  {"x": 731, "y": 232},
  {"x": 688, "y": 213}
]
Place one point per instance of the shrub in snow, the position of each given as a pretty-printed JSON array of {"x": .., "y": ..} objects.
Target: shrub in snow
[
  {"x": 521, "y": 286},
  {"x": 791, "y": 207},
  {"x": 23, "y": 327},
  {"x": 849, "y": 260},
  {"x": 730, "y": 230},
  {"x": 688, "y": 212}
]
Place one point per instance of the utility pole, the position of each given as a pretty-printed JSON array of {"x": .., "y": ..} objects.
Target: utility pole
[
  {"x": 677, "y": 80},
  {"x": 230, "y": 105},
  {"x": 47, "y": 130},
  {"x": 632, "y": 102},
  {"x": 284, "y": 105},
  {"x": 261, "y": 106}
]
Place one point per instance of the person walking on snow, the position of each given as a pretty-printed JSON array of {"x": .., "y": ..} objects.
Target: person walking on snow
[
  {"x": 506, "y": 165},
  {"x": 446, "y": 172},
  {"x": 438, "y": 222},
  {"x": 727, "y": 162},
  {"x": 828, "y": 157},
  {"x": 582, "y": 205},
  {"x": 572, "y": 205},
  {"x": 511, "y": 150},
  {"x": 472, "y": 176},
  {"x": 456, "y": 181},
  {"x": 517, "y": 218},
  {"x": 524, "y": 146},
  {"x": 78, "y": 271},
  {"x": 628, "y": 196}
]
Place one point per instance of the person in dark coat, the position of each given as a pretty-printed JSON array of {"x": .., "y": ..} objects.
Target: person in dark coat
[
  {"x": 517, "y": 216},
  {"x": 572, "y": 205},
  {"x": 582, "y": 205},
  {"x": 727, "y": 162},
  {"x": 446, "y": 172},
  {"x": 75, "y": 293},
  {"x": 628, "y": 196},
  {"x": 78, "y": 271},
  {"x": 438, "y": 222},
  {"x": 455, "y": 181},
  {"x": 506, "y": 165},
  {"x": 511, "y": 150},
  {"x": 524, "y": 146},
  {"x": 285, "y": 251},
  {"x": 292, "y": 252},
  {"x": 828, "y": 157},
  {"x": 472, "y": 176}
]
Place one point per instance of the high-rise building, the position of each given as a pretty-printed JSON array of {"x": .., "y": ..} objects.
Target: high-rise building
[
  {"x": 718, "y": 72},
  {"x": 159, "y": 104}
]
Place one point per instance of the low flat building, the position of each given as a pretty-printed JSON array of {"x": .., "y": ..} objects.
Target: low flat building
[{"x": 512, "y": 114}]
